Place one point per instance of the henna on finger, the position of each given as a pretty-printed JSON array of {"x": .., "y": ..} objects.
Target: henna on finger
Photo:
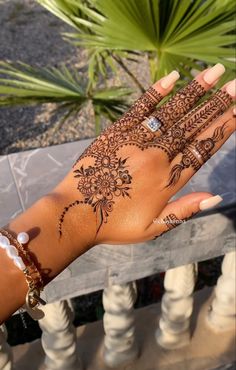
[
  {"x": 117, "y": 133},
  {"x": 185, "y": 130},
  {"x": 108, "y": 178},
  {"x": 172, "y": 221},
  {"x": 139, "y": 110},
  {"x": 196, "y": 154},
  {"x": 179, "y": 105}
]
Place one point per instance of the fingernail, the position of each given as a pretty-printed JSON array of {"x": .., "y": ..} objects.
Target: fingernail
[
  {"x": 169, "y": 80},
  {"x": 214, "y": 73},
  {"x": 231, "y": 88},
  {"x": 210, "y": 202},
  {"x": 234, "y": 111}
]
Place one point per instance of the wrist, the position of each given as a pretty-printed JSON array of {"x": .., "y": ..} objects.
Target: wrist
[
  {"x": 76, "y": 219},
  {"x": 52, "y": 252}
]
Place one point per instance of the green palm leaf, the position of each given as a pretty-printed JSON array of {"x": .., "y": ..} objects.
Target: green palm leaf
[
  {"x": 22, "y": 84},
  {"x": 169, "y": 31}
]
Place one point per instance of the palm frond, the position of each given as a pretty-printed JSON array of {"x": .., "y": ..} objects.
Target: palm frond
[
  {"x": 22, "y": 84},
  {"x": 169, "y": 31}
]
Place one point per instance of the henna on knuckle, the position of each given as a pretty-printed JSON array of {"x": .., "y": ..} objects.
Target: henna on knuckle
[
  {"x": 141, "y": 108},
  {"x": 108, "y": 177},
  {"x": 197, "y": 154},
  {"x": 184, "y": 131},
  {"x": 179, "y": 105},
  {"x": 101, "y": 183}
]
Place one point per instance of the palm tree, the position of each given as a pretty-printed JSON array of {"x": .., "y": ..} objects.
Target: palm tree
[{"x": 173, "y": 34}]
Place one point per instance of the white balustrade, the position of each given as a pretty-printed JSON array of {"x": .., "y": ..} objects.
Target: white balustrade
[
  {"x": 119, "y": 344},
  {"x": 223, "y": 308},
  {"x": 59, "y": 337},
  {"x": 177, "y": 306}
]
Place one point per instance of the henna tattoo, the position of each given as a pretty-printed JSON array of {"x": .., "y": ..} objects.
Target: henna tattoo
[
  {"x": 108, "y": 177},
  {"x": 183, "y": 132},
  {"x": 66, "y": 209},
  {"x": 196, "y": 154},
  {"x": 172, "y": 221},
  {"x": 179, "y": 105},
  {"x": 143, "y": 107}
]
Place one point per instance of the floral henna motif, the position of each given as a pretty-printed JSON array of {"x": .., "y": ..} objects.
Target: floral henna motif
[
  {"x": 116, "y": 134},
  {"x": 196, "y": 154},
  {"x": 108, "y": 177},
  {"x": 179, "y": 105},
  {"x": 178, "y": 136}
]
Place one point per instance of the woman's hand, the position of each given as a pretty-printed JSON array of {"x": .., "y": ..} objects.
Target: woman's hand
[
  {"x": 123, "y": 182},
  {"x": 119, "y": 190}
]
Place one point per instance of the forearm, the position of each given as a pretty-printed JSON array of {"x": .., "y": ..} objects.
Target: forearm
[{"x": 51, "y": 253}]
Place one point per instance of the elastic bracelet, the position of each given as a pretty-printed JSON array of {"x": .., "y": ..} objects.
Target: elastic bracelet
[{"x": 16, "y": 250}]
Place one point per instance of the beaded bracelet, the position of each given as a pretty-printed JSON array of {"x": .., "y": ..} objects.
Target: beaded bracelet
[{"x": 21, "y": 258}]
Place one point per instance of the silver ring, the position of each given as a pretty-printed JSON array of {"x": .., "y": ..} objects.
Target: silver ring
[
  {"x": 197, "y": 154},
  {"x": 153, "y": 123}
]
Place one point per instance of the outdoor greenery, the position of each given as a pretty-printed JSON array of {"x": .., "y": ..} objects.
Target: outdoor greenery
[{"x": 173, "y": 34}]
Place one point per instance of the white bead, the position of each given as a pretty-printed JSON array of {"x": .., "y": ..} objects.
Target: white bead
[
  {"x": 11, "y": 251},
  {"x": 19, "y": 263},
  {"x": 23, "y": 238},
  {"x": 4, "y": 242}
]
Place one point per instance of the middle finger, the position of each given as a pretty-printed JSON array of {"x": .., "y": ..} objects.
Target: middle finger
[{"x": 185, "y": 99}]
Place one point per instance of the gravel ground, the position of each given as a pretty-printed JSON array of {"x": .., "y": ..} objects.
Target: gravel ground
[{"x": 31, "y": 34}]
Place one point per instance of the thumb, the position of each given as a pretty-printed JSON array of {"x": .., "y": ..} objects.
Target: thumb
[{"x": 177, "y": 212}]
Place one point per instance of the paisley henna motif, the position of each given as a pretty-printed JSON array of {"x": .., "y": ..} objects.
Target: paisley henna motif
[{"x": 196, "y": 154}]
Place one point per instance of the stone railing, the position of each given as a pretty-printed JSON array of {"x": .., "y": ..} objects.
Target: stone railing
[{"x": 28, "y": 175}]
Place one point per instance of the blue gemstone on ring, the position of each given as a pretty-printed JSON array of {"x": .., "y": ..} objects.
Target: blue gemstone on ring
[{"x": 153, "y": 123}]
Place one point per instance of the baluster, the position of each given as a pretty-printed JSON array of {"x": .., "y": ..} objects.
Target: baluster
[
  {"x": 119, "y": 345},
  {"x": 223, "y": 308},
  {"x": 6, "y": 357},
  {"x": 59, "y": 337},
  {"x": 177, "y": 306}
]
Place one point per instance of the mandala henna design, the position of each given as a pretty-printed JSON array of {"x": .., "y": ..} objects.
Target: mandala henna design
[
  {"x": 179, "y": 105},
  {"x": 196, "y": 154},
  {"x": 178, "y": 136}
]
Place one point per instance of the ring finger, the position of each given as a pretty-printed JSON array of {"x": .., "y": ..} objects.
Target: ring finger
[
  {"x": 184, "y": 100},
  {"x": 197, "y": 120},
  {"x": 200, "y": 150}
]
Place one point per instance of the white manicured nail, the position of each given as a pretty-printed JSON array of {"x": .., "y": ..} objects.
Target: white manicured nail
[
  {"x": 210, "y": 202},
  {"x": 234, "y": 111},
  {"x": 214, "y": 73},
  {"x": 231, "y": 88},
  {"x": 169, "y": 80}
]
